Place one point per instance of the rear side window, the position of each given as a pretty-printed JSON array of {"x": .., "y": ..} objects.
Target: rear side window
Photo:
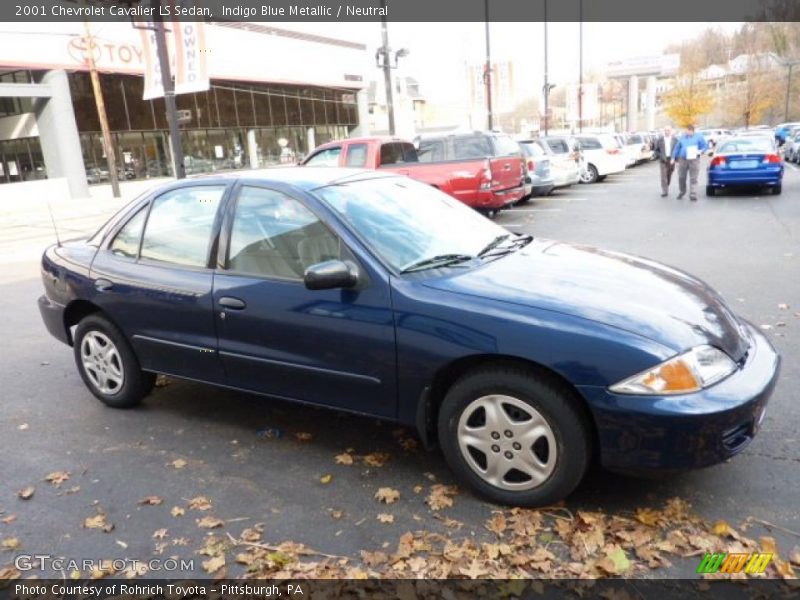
[
  {"x": 126, "y": 242},
  {"x": 356, "y": 155},
  {"x": 430, "y": 150},
  {"x": 178, "y": 230},
  {"x": 469, "y": 147},
  {"x": 325, "y": 158},
  {"x": 505, "y": 146},
  {"x": 532, "y": 149},
  {"x": 398, "y": 152},
  {"x": 588, "y": 143},
  {"x": 558, "y": 146}
]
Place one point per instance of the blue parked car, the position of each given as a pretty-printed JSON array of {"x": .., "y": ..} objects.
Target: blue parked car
[
  {"x": 782, "y": 130},
  {"x": 745, "y": 161},
  {"x": 523, "y": 358}
]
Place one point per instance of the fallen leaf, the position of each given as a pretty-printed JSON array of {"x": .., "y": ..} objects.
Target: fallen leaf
[
  {"x": 9, "y": 572},
  {"x": 177, "y": 511},
  {"x": 326, "y": 479},
  {"x": 210, "y": 522},
  {"x": 418, "y": 489},
  {"x": 615, "y": 561},
  {"x": 337, "y": 514},
  {"x": 768, "y": 544},
  {"x": 795, "y": 558},
  {"x": 474, "y": 571},
  {"x": 722, "y": 529},
  {"x": 303, "y": 437},
  {"x": 151, "y": 501},
  {"x": 200, "y": 503},
  {"x": 214, "y": 564},
  {"x": 344, "y": 459},
  {"x": 441, "y": 496},
  {"x": 178, "y": 463},
  {"x": 10, "y": 543},
  {"x": 386, "y": 518},
  {"x": 252, "y": 534},
  {"x": 98, "y": 522},
  {"x": 27, "y": 492},
  {"x": 23, "y": 427},
  {"x": 387, "y": 495},
  {"x": 9, "y": 519},
  {"x": 376, "y": 459},
  {"x": 57, "y": 477},
  {"x": 497, "y": 524},
  {"x": 160, "y": 534}
]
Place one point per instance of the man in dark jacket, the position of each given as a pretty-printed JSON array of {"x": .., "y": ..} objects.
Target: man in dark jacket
[{"x": 664, "y": 147}]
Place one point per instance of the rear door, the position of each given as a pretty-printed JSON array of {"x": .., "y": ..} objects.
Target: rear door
[
  {"x": 152, "y": 278},
  {"x": 506, "y": 163}
]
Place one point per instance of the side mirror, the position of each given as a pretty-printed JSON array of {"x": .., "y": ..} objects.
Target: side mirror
[{"x": 331, "y": 274}]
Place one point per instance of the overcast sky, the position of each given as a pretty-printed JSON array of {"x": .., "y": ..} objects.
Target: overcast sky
[{"x": 439, "y": 50}]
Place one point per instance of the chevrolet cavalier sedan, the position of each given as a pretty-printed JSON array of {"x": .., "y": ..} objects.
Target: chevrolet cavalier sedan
[{"x": 523, "y": 358}]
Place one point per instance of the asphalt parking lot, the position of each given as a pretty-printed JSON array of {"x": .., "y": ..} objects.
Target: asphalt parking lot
[{"x": 258, "y": 461}]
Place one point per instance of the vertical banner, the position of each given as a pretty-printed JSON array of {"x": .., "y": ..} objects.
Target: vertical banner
[
  {"x": 191, "y": 65},
  {"x": 153, "y": 85}
]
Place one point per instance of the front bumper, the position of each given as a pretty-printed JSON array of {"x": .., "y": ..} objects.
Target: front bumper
[
  {"x": 645, "y": 433},
  {"x": 53, "y": 317}
]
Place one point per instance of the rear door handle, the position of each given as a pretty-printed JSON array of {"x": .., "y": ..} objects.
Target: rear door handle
[
  {"x": 102, "y": 285},
  {"x": 232, "y": 303}
]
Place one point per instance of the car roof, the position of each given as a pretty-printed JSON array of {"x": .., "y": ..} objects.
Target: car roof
[{"x": 304, "y": 178}]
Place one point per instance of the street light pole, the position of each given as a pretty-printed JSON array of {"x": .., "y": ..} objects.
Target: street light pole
[
  {"x": 488, "y": 71},
  {"x": 546, "y": 82},
  {"x": 387, "y": 71},
  {"x": 580, "y": 67},
  {"x": 169, "y": 91}
]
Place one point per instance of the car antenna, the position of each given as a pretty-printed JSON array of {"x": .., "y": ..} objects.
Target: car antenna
[{"x": 53, "y": 221}]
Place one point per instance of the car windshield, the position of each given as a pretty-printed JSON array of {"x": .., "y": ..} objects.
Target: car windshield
[
  {"x": 752, "y": 144},
  {"x": 406, "y": 222}
]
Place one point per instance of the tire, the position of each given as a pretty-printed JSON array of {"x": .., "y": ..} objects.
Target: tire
[
  {"x": 115, "y": 376},
  {"x": 777, "y": 189},
  {"x": 559, "y": 455},
  {"x": 589, "y": 175},
  {"x": 601, "y": 178},
  {"x": 710, "y": 191}
]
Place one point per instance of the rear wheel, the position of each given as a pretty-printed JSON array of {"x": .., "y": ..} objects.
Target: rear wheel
[
  {"x": 777, "y": 189},
  {"x": 107, "y": 364},
  {"x": 515, "y": 436},
  {"x": 710, "y": 191},
  {"x": 589, "y": 174}
]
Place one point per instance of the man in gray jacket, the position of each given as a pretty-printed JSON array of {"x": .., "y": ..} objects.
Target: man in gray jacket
[{"x": 665, "y": 144}]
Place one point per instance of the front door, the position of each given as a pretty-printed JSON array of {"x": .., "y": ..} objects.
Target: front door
[{"x": 332, "y": 347}]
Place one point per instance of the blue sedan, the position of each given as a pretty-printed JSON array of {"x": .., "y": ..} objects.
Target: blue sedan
[
  {"x": 523, "y": 358},
  {"x": 745, "y": 162}
]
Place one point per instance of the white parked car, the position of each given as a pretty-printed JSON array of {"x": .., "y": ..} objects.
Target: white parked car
[
  {"x": 602, "y": 156},
  {"x": 564, "y": 166}
]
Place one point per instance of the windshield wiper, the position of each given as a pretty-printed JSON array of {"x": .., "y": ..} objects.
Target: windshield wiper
[
  {"x": 493, "y": 244},
  {"x": 518, "y": 242},
  {"x": 440, "y": 260}
]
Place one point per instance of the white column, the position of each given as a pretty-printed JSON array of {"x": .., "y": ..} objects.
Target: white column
[
  {"x": 311, "y": 141},
  {"x": 633, "y": 103},
  {"x": 650, "y": 108},
  {"x": 252, "y": 148},
  {"x": 362, "y": 129}
]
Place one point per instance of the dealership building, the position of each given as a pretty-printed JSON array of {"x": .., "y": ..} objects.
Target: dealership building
[{"x": 275, "y": 92}]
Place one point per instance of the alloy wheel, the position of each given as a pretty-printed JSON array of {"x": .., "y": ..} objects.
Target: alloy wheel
[{"x": 102, "y": 362}]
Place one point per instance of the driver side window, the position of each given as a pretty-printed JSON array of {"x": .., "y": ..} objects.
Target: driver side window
[{"x": 274, "y": 235}]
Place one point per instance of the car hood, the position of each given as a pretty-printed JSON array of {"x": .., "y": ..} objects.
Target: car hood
[{"x": 631, "y": 293}]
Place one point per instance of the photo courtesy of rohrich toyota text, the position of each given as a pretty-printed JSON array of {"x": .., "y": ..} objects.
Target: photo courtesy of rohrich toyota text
[{"x": 399, "y": 299}]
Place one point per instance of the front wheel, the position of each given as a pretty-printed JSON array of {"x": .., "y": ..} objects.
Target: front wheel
[
  {"x": 107, "y": 364},
  {"x": 710, "y": 191},
  {"x": 589, "y": 174},
  {"x": 514, "y": 436}
]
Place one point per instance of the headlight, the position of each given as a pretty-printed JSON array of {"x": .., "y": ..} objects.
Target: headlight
[{"x": 689, "y": 372}]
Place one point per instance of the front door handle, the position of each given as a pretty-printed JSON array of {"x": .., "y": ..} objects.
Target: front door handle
[
  {"x": 102, "y": 285},
  {"x": 232, "y": 303}
]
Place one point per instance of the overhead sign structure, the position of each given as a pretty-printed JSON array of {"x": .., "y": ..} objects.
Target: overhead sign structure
[{"x": 661, "y": 65}]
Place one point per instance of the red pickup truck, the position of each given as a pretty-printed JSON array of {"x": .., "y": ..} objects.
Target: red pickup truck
[{"x": 482, "y": 170}]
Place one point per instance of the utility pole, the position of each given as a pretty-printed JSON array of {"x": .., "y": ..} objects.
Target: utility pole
[
  {"x": 487, "y": 76},
  {"x": 169, "y": 91},
  {"x": 387, "y": 70},
  {"x": 108, "y": 146},
  {"x": 580, "y": 67}
]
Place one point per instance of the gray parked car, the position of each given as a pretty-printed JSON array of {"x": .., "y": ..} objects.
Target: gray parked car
[{"x": 538, "y": 175}]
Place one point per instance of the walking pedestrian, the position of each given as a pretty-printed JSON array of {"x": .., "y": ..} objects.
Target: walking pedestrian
[
  {"x": 687, "y": 153},
  {"x": 665, "y": 144}
]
